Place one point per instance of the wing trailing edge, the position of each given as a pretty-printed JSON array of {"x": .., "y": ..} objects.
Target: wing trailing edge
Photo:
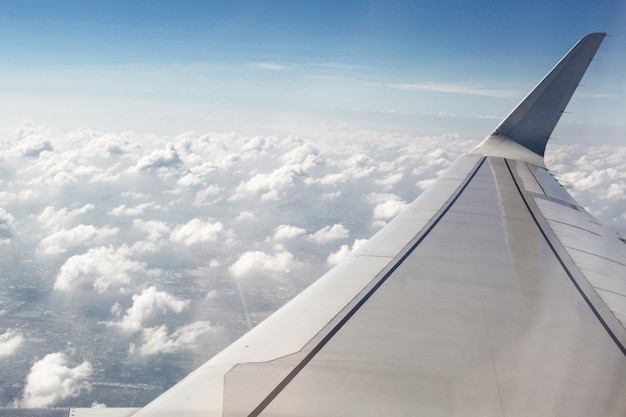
[{"x": 531, "y": 123}]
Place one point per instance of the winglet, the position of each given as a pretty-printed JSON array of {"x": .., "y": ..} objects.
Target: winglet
[{"x": 531, "y": 123}]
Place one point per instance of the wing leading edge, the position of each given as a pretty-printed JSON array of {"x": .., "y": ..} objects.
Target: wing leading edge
[{"x": 488, "y": 296}]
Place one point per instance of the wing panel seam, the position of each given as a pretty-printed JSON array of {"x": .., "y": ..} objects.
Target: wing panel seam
[
  {"x": 596, "y": 255},
  {"x": 572, "y": 225},
  {"x": 567, "y": 270},
  {"x": 401, "y": 257}
]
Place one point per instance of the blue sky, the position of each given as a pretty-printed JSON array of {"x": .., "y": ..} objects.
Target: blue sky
[{"x": 167, "y": 67}]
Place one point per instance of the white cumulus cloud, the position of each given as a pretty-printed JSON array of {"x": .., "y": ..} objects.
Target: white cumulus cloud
[
  {"x": 306, "y": 156},
  {"x": 258, "y": 262},
  {"x": 387, "y": 205},
  {"x": 329, "y": 233},
  {"x": 276, "y": 180},
  {"x": 208, "y": 195},
  {"x": 51, "y": 380},
  {"x": 53, "y": 219},
  {"x": 189, "y": 180},
  {"x": 157, "y": 340},
  {"x": 390, "y": 180},
  {"x": 101, "y": 268},
  {"x": 10, "y": 341},
  {"x": 343, "y": 252},
  {"x": 60, "y": 241},
  {"x": 145, "y": 305},
  {"x": 197, "y": 231},
  {"x": 160, "y": 158},
  {"x": 359, "y": 166},
  {"x": 155, "y": 229},
  {"x": 32, "y": 147},
  {"x": 246, "y": 216},
  {"x": 122, "y": 210},
  {"x": 285, "y": 232}
]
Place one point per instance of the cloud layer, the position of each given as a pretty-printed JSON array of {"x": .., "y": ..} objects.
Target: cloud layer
[{"x": 166, "y": 243}]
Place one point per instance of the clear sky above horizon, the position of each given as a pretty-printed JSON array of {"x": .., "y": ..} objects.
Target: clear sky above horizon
[{"x": 429, "y": 67}]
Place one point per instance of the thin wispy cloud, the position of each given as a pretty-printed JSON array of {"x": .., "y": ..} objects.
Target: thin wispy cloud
[
  {"x": 270, "y": 66},
  {"x": 273, "y": 66},
  {"x": 338, "y": 65},
  {"x": 456, "y": 89}
]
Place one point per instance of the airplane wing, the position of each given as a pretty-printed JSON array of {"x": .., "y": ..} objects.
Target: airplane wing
[{"x": 494, "y": 294}]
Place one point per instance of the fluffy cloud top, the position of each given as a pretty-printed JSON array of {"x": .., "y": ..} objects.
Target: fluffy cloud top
[
  {"x": 276, "y": 180},
  {"x": 343, "y": 252},
  {"x": 208, "y": 195},
  {"x": 387, "y": 205},
  {"x": 53, "y": 219},
  {"x": 297, "y": 164},
  {"x": 58, "y": 242},
  {"x": 10, "y": 341},
  {"x": 101, "y": 268},
  {"x": 160, "y": 158},
  {"x": 51, "y": 380},
  {"x": 53, "y": 169},
  {"x": 146, "y": 305},
  {"x": 306, "y": 156},
  {"x": 246, "y": 216},
  {"x": 131, "y": 211},
  {"x": 258, "y": 262},
  {"x": 285, "y": 232},
  {"x": 156, "y": 339},
  {"x": 154, "y": 228},
  {"x": 329, "y": 233},
  {"x": 389, "y": 181},
  {"x": 189, "y": 180},
  {"x": 32, "y": 147},
  {"x": 197, "y": 231}
]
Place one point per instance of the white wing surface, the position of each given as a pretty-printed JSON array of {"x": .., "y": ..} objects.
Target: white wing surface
[{"x": 494, "y": 294}]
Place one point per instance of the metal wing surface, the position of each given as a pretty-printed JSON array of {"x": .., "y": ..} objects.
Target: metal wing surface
[{"x": 494, "y": 294}]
